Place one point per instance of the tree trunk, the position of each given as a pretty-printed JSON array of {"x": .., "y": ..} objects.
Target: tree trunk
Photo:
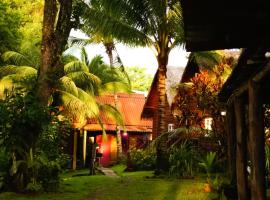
[
  {"x": 162, "y": 156},
  {"x": 55, "y": 32},
  {"x": 162, "y": 99},
  {"x": 119, "y": 144},
  {"x": 256, "y": 135},
  {"x": 241, "y": 149},
  {"x": 109, "y": 48},
  {"x": 118, "y": 132}
]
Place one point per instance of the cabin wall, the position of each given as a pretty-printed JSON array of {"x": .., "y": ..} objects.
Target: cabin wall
[{"x": 169, "y": 119}]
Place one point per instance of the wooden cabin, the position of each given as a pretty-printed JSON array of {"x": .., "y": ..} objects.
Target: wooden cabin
[
  {"x": 150, "y": 108},
  {"x": 136, "y": 133},
  {"x": 224, "y": 24}
]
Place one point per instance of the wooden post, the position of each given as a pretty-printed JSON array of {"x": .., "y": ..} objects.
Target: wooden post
[
  {"x": 241, "y": 149},
  {"x": 93, "y": 157},
  {"x": 256, "y": 134},
  {"x": 231, "y": 142},
  {"x": 84, "y": 146},
  {"x": 75, "y": 140}
]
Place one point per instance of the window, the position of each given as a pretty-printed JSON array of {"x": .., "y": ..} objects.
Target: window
[
  {"x": 170, "y": 127},
  {"x": 208, "y": 123}
]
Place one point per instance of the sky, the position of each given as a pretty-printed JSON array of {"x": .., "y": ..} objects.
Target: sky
[{"x": 136, "y": 56}]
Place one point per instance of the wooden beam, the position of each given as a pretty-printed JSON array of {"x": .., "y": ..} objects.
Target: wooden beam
[
  {"x": 84, "y": 146},
  {"x": 262, "y": 73},
  {"x": 241, "y": 149},
  {"x": 231, "y": 142},
  {"x": 238, "y": 92},
  {"x": 75, "y": 142},
  {"x": 256, "y": 135}
]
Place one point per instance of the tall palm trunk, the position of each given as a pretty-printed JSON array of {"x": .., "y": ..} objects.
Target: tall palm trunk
[
  {"x": 109, "y": 51},
  {"x": 162, "y": 157},
  {"x": 109, "y": 48}
]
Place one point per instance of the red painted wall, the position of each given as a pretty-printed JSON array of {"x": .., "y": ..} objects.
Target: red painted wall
[{"x": 108, "y": 148}]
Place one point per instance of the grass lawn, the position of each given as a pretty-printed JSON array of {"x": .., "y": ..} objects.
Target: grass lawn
[{"x": 128, "y": 186}]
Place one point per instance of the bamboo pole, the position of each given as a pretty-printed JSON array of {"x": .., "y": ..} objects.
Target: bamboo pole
[{"x": 256, "y": 135}]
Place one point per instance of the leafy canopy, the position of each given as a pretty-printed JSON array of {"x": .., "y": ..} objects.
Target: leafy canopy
[{"x": 153, "y": 23}]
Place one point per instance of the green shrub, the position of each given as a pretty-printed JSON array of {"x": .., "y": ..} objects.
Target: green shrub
[
  {"x": 4, "y": 166},
  {"x": 208, "y": 162},
  {"x": 48, "y": 175},
  {"x": 183, "y": 160},
  {"x": 33, "y": 187},
  {"x": 33, "y": 137},
  {"x": 142, "y": 159}
]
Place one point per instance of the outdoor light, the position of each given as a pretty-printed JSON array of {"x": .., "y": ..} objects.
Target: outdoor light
[
  {"x": 150, "y": 137},
  {"x": 125, "y": 134},
  {"x": 223, "y": 113}
]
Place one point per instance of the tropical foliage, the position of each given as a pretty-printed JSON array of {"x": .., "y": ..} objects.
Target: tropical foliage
[
  {"x": 76, "y": 90},
  {"x": 183, "y": 160},
  {"x": 141, "y": 159},
  {"x": 10, "y": 20},
  {"x": 198, "y": 99},
  {"x": 139, "y": 79},
  {"x": 21, "y": 139}
]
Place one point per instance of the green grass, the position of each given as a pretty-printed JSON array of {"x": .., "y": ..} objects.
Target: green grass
[{"x": 128, "y": 186}]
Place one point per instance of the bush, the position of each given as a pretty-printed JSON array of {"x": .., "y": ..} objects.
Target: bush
[
  {"x": 4, "y": 166},
  {"x": 142, "y": 159},
  {"x": 183, "y": 160},
  {"x": 48, "y": 176},
  {"x": 208, "y": 162},
  {"x": 34, "y": 136}
]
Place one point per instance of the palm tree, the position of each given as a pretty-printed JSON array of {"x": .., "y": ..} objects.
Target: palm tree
[
  {"x": 76, "y": 90},
  {"x": 156, "y": 24},
  {"x": 153, "y": 23}
]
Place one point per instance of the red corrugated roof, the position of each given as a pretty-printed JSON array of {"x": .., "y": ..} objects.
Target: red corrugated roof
[{"x": 131, "y": 106}]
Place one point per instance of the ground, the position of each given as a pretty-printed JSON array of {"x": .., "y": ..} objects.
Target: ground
[{"x": 127, "y": 186}]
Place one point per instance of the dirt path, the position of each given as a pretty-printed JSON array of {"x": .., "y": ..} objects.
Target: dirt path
[{"x": 108, "y": 172}]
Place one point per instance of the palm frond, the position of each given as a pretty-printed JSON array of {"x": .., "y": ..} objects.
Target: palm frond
[
  {"x": 95, "y": 63},
  {"x": 84, "y": 56},
  {"x": 80, "y": 107},
  {"x": 90, "y": 102},
  {"x": 113, "y": 87},
  {"x": 16, "y": 58},
  {"x": 20, "y": 70},
  {"x": 66, "y": 84},
  {"x": 75, "y": 66},
  {"x": 66, "y": 58},
  {"x": 112, "y": 113},
  {"x": 80, "y": 42},
  {"x": 74, "y": 108},
  {"x": 85, "y": 80},
  {"x": 121, "y": 30}
]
